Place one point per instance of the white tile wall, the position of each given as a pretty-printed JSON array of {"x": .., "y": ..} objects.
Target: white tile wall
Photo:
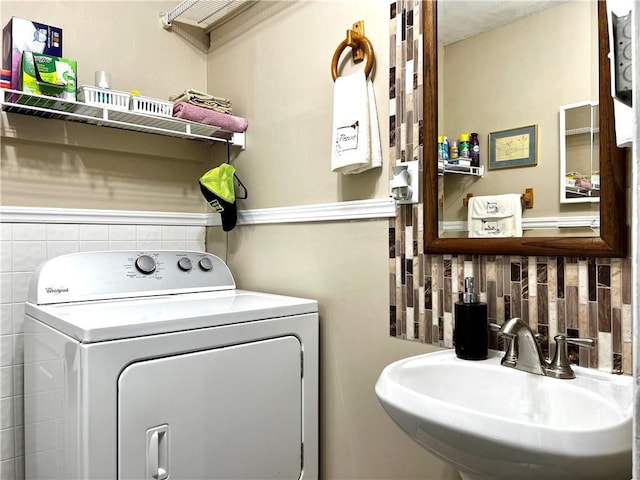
[{"x": 23, "y": 246}]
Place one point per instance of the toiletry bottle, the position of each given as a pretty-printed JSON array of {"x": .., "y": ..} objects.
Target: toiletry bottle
[
  {"x": 475, "y": 150},
  {"x": 463, "y": 146},
  {"x": 445, "y": 149},
  {"x": 440, "y": 148},
  {"x": 453, "y": 151},
  {"x": 471, "y": 328}
]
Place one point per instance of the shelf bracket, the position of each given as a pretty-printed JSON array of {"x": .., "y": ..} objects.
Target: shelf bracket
[
  {"x": 196, "y": 36},
  {"x": 168, "y": 17},
  {"x": 239, "y": 140}
]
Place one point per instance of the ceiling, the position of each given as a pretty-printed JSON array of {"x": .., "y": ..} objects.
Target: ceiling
[{"x": 459, "y": 19}]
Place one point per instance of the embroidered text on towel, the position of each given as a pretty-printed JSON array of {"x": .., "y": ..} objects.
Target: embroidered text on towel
[{"x": 347, "y": 138}]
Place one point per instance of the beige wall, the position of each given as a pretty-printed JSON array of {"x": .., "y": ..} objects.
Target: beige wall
[
  {"x": 345, "y": 267},
  {"x": 276, "y": 67},
  {"x": 480, "y": 94},
  {"x": 52, "y": 163}
]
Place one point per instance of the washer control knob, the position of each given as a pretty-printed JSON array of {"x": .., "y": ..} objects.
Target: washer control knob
[
  {"x": 145, "y": 264},
  {"x": 184, "y": 264},
  {"x": 205, "y": 264}
]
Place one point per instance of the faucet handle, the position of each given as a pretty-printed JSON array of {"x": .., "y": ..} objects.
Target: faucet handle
[
  {"x": 510, "y": 358},
  {"x": 559, "y": 366},
  {"x": 494, "y": 327},
  {"x": 582, "y": 342}
]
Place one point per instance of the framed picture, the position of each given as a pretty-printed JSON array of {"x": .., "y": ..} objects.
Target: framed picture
[{"x": 517, "y": 147}]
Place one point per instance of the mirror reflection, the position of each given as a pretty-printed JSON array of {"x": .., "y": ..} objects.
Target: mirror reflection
[
  {"x": 579, "y": 153},
  {"x": 521, "y": 86}
]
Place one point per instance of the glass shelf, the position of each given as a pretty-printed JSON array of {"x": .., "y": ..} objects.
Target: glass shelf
[{"x": 14, "y": 101}]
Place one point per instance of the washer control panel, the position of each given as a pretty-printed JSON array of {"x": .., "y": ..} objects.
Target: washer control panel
[
  {"x": 147, "y": 264},
  {"x": 104, "y": 275}
]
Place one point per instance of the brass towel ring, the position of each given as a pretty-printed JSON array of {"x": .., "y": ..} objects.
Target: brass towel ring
[{"x": 353, "y": 40}]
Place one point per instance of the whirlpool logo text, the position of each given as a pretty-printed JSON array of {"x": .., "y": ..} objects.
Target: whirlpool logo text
[{"x": 57, "y": 290}]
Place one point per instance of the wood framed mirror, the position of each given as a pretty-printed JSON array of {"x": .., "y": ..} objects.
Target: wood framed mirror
[{"x": 612, "y": 239}]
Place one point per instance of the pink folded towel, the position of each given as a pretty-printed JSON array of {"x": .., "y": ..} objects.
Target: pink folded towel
[{"x": 227, "y": 122}]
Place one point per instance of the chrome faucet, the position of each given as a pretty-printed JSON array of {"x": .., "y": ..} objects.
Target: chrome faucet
[{"x": 524, "y": 352}]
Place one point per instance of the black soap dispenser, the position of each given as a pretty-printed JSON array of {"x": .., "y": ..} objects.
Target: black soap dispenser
[{"x": 471, "y": 329}]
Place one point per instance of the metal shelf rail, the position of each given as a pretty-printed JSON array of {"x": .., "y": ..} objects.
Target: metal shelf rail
[{"x": 15, "y": 101}]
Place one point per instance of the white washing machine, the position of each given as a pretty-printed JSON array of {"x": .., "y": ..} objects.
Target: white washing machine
[{"x": 152, "y": 365}]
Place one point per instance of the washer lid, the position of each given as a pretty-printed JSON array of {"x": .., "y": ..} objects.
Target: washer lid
[{"x": 97, "y": 321}]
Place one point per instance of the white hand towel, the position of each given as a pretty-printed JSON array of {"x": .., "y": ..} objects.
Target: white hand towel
[
  {"x": 356, "y": 143},
  {"x": 495, "y": 216}
]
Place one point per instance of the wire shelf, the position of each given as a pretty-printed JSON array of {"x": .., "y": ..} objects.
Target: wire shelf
[
  {"x": 14, "y": 101},
  {"x": 445, "y": 167},
  {"x": 205, "y": 14}
]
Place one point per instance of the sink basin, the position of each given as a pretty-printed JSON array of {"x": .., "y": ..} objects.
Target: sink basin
[{"x": 495, "y": 422}]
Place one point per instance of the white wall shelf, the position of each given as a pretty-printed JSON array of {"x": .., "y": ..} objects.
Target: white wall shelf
[
  {"x": 14, "y": 101},
  {"x": 205, "y": 14},
  {"x": 581, "y": 192},
  {"x": 581, "y": 131},
  {"x": 445, "y": 168}
]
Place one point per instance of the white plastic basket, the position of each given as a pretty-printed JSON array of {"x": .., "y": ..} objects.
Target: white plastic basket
[
  {"x": 104, "y": 97},
  {"x": 152, "y": 106}
]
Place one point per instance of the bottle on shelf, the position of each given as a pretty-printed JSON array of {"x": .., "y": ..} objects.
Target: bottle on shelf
[
  {"x": 440, "y": 148},
  {"x": 453, "y": 151},
  {"x": 463, "y": 146},
  {"x": 475, "y": 150}
]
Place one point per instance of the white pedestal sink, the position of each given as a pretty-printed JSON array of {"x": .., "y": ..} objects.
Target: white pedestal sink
[{"x": 494, "y": 422}]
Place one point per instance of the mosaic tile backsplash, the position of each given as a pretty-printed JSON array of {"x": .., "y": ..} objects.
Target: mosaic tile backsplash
[{"x": 577, "y": 297}]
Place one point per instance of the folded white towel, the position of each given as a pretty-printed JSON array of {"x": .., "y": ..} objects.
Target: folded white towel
[
  {"x": 356, "y": 132},
  {"x": 495, "y": 216}
]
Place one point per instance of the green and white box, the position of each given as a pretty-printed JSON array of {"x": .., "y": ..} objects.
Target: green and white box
[{"x": 48, "y": 75}]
